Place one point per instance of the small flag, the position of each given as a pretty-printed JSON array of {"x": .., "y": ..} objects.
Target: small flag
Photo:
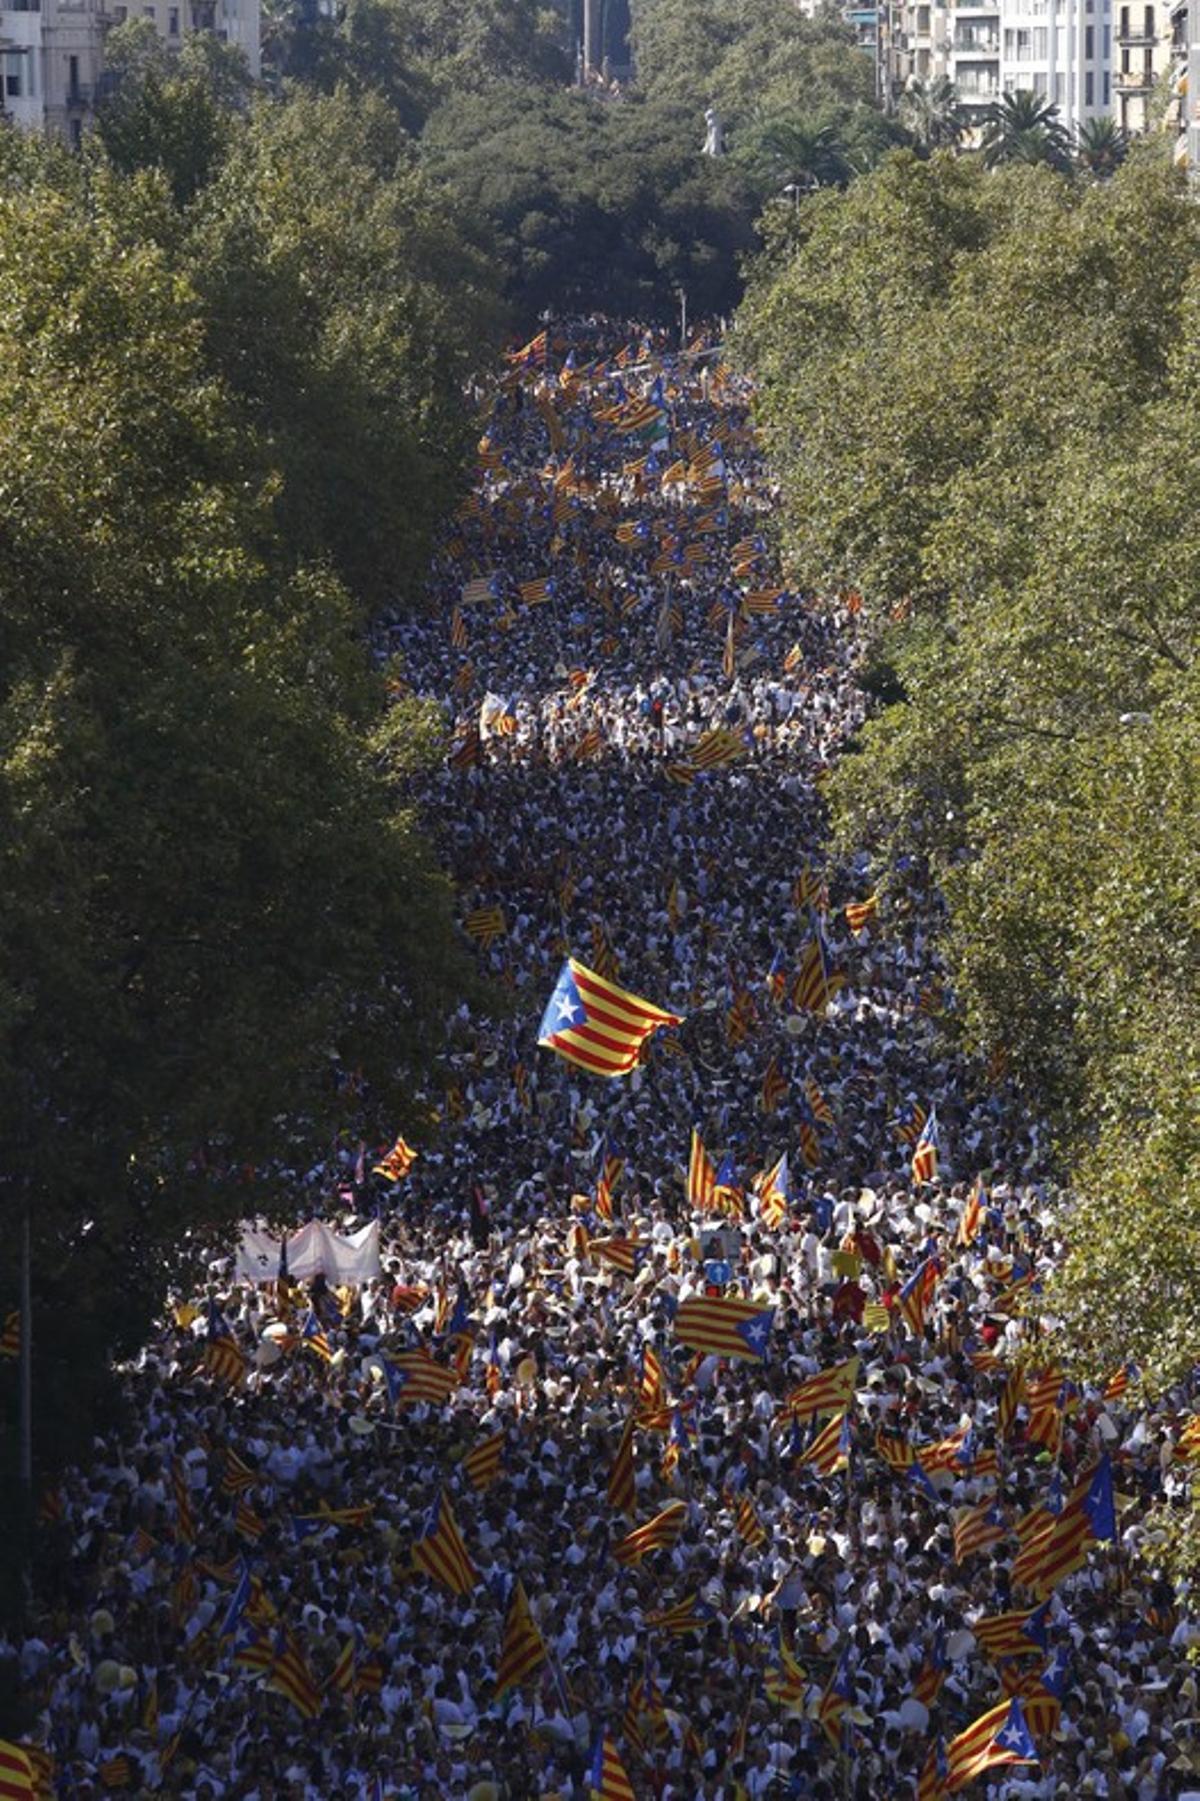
[
  {"x": 830, "y": 1391},
  {"x": 621, "y": 1486},
  {"x": 607, "y": 1780},
  {"x": 925, "y": 1154},
  {"x": 441, "y": 1552},
  {"x": 397, "y": 1163},
  {"x": 999, "y": 1736},
  {"x": 689, "y": 1615},
  {"x": 485, "y": 925},
  {"x": 702, "y": 1177},
  {"x": 523, "y": 1649},
  {"x": 829, "y": 1451},
  {"x": 656, "y": 1535},
  {"x": 861, "y": 913}
]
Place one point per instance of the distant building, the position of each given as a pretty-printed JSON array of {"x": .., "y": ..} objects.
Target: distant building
[{"x": 52, "y": 51}]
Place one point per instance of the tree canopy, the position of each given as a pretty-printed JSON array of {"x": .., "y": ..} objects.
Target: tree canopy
[
  {"x": 979, "y": 390},
  {"x": 229, "y": 419}
]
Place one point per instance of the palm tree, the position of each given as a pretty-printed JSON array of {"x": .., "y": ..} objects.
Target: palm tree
[
  {"x": 802, "y": 156},
  {"x": 1101, "y": 147},
  {"x": 1025, "y": 128},
  {"x": 932, "y": 113}
]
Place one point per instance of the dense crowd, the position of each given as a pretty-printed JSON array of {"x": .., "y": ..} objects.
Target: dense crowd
[{"x": 831, "y": 1648}]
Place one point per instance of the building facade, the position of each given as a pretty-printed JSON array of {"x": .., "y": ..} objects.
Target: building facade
[{"x": 52, "y": 51}]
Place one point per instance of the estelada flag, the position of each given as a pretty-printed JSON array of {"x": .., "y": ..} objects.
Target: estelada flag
[
  {"x": 596, "y": 1024},
  {"x": 722, "y": 1326}
]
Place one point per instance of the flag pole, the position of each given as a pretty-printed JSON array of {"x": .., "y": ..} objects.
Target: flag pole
[{"x": 25, "y": 1464}]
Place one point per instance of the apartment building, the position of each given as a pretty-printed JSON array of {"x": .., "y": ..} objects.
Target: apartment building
[{"x": 52, "y": 51}]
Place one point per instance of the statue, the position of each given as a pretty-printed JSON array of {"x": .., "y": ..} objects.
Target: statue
[{"x": 714, "y": 142}]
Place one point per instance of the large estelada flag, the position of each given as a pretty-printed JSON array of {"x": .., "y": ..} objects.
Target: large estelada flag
[
  {"x": 724, "y": 1327},
  {"x": 594, "y": 1023}
]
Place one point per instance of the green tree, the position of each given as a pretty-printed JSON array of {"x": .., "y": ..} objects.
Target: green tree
[
  {"x": 932, "y": 112},
  {"x": 796, "y": 154},
  {"x": 1101, "y": 146},
  {"x": 980, "y": 391},
  {"x": 167, "y": 110},
  {"x": 212, "y": 897},
  {"x": 1023, "y": 127},
  {"x": 343, "y": 306}
]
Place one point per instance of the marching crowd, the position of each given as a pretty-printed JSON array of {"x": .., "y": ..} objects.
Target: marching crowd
[{"x": 639, "y": 722}]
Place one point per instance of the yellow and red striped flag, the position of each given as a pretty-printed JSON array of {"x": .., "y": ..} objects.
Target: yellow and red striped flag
[
  {"x": 607, "y": 1780},
  {"x": 977, "y": 1527},
  {"x": 597, "y": 1025},
  {"x": 861, "y": 913},
  {"x": 829, "y": 1451},
  {"x": 458, "y": 629},
  {"x": 701, "y": 1178},
  {"x": 481, "y": 1465},
  {"x": 291, "y": 1677},
  {"x": 652, "y": 1389},
  {"x": 485, "y": 925},
  {"x": 523, "y": 1649},
  {"x": 688, "y": 1615},
  {"x": 657, "y": 1534},
  {"x": 441, "y": 1551},
  {"x": 747, "y": 1522},
  {"x": 999, "y": 1736},
  {"x": 397, "y": 1163},
  {"x": 829, "y": 1391},
  {"x": 17, "y": 1780},
  {"x": 723, "y": 1326}
]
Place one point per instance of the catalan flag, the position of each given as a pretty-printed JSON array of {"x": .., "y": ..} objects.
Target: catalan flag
[
  {"x": 523, "y": 1650},
  {"x": 533, "y": 354},
  {"x": 829, "y": 1451},
  {"x": 838, "y": 1693},
  {"x": 17, "y": 1780},
  {"x": 774, "y": 1086},
  {"x": 702, "y": 1177},
  {"x": 114, "y": 1773},
  {"x": 917, "y": 1295},
  {"x": 658, "y": 1534},
  {"x": 621, "y": 1488},
  {"x": 895, "y": 1449},
  {"x": 688, "y": 1615},
  {"x": 485, "y": 925},
  {"x": 785, "y": 1683},
  {"x": 975, "y": 1528},
  {"x": 624, "y": 1254},
  {"x": 397, "y": 1163},
  {"x": 925, "y": 1154},
  {"x": 223, "y": 1356},
  {"x": 236, "y": 1476},
  {"x": 312, "y": 1334},
  {"x": 607, "y": 1780},
  {"x": 861, "y": 913},
  {"x": 1088, "y": 1517},
  {"x": 593, "y": 1023},
  {"x": 652, "y": 1389},
  {"x": 484, "y": 587},
  {"x": 999, "y": 1736},
  {"x": 815, "y": 984},
  {"x": 830, "y": 1391},
  {"x": 458, "y": 629},
  {"x": 415, "y": 1376},
  {"x": 291, "y": 1677},
  {"x": 775, "y": 1194},
  {"x": 818, "y": 1105},
  {"x": 747, "y": 1523},
  {"x": 968, "y": 1225},
  {"x": 441, "y": 1552},
  {"x": 716, "y": 748},
  {"x": 246, "y": 1523},
  {"x": 10, "y": 1337},
  {"x": 809, "y": 890},
  {"x": 1119, "y": 1381},
  {"x": 481, "y": 1465},
  {"x": 537, "y": 593},
  {"x": 723, "y": 1326},
  {"x": 933, "y": 1671},
  {"x": 1013, "y": 1634}
]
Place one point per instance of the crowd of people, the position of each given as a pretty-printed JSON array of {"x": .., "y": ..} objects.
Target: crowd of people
[{"x": 639, "y": 719}]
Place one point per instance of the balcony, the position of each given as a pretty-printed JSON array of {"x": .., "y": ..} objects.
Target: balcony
[
  {"x": 1134, "y": 81},
  {"x": 79, "y": 94},
  {"x": 1135, "y": 39},
  {"x": 976, "y": 46}
]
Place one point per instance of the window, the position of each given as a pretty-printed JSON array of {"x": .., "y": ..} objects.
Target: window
[
  {"x": 923, "y": 21},
  {"x": 1060, "y": 89},
  {"x": 173, "y": 22},
  {"x": 1089, "y": 89},
  {"x": 1124, "y": 32},
  {"x": 1148, "y": 27},
  {"x": 1041, "y": 41},
  {"x": 1104, "y": 90},
  {"x": 148, "y": 12},
  {"x": 12, "y": 87},
  {"x": 120, "y": 13},
  {"x": 1089, "y": 43}
]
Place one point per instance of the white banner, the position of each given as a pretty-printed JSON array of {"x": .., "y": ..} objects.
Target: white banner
[{"x": 313, "y": 1249}]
